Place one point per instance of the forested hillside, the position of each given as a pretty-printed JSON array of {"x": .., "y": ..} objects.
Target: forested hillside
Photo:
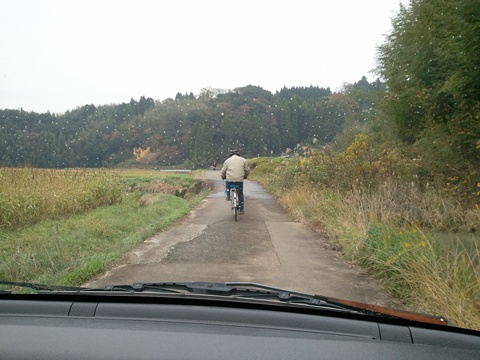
[
  {"x": 190, "y": 130},
  {"x": 426, "y": 107}
]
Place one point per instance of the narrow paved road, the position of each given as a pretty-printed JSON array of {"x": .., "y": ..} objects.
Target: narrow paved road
[{"x": 263, "y": 246}]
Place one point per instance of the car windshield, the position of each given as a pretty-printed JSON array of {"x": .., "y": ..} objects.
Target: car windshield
[{"x": 350, "y": 131}]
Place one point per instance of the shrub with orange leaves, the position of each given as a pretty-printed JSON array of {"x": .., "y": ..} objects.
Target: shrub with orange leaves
[{"x": 139, "y": 153}]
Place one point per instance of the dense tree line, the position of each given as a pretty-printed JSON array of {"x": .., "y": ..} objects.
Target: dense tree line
[
  {"x": 431, "y": 65},
  {"x": 87, "y": 136},
  {"x": 186, "y": 130},
  {"x": 427, "y": 105}
]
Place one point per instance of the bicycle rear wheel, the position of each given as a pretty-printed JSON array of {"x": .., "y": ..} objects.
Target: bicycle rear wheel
[{"x": 233, "y": 193}]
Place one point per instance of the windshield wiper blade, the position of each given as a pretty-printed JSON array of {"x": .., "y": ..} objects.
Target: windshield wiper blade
[
  {"x": 238, "y": 290},
  {"x": 38, "y": 287},
  {"x": 250, "y": 290}
]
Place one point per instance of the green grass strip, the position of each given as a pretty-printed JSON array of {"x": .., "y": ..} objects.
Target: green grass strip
[{"x": 72, "y": 250}]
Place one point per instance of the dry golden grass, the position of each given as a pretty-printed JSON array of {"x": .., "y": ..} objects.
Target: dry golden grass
[
  {"x": 445, "y": 288},
  {"x": 427, "y": 275},
  {"x": 138, "y": 173},
  {"x": 30, "y": 195},
  {"x": 330, "y": 212}
]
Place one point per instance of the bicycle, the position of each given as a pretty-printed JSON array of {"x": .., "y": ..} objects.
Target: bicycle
[{"x": 235, "y": 200}]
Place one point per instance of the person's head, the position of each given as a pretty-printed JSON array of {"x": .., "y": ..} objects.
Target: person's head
[{"x": 234, "y": 152}]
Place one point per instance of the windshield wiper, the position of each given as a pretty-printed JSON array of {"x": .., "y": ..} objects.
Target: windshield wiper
[
  {"x": 240, "y": 290},
  {"x": 249, "y": 290},
  {"x": 37, "y": 287}
]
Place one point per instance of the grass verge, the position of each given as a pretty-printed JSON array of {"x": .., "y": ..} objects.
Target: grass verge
[
  {"x": 72, "y": 250},
  {"x": 416, "y": 267},
  {"x": 380, "y": 230}
]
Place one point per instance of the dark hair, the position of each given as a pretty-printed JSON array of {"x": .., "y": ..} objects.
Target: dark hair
[{"x": 234, "y": 152}]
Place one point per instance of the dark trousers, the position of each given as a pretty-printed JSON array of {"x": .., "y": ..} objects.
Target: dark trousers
[{"x": 239, "y": 186}]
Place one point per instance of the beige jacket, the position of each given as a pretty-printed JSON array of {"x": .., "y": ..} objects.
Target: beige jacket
[{"x": 235, "y": 168}]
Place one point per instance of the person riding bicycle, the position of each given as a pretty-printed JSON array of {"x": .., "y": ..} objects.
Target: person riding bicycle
[{"x": 234, "y": 170}]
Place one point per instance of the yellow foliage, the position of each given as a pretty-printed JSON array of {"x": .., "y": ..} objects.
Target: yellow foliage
[
  {"x": 139, "y": 153},
  {"x": 358, "y": 147}
]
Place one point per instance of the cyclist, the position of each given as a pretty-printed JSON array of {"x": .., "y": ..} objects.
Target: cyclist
[{"x": 234, "y": 170}]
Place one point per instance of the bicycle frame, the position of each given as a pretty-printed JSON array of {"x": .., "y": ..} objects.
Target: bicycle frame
[{"x": 235, "y": 201}]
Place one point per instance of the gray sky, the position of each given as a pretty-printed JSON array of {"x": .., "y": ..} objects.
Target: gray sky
[{"x": 57, "y": 55}]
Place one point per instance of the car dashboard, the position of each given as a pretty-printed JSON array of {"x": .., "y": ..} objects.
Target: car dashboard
[{"x": 124, "y": 327}]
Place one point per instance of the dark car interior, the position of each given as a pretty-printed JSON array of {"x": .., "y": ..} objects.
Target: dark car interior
[{"x": 143, "y": 327}]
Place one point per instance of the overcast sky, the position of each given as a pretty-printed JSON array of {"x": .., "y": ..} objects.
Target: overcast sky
[{"x": 57, "y": 55}]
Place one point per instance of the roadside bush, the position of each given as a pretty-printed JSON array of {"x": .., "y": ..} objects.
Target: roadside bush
[
  {"x": 380, "y": 181},
  {"x": 275, "y": 173},
  {"x": 360, "y": 165}
]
